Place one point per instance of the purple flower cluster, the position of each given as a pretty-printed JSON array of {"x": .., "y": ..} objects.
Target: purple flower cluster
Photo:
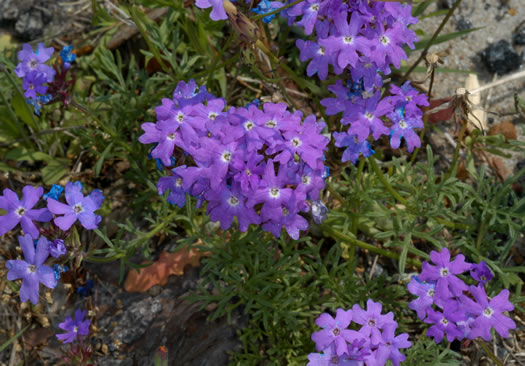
[
  {"x": 260, "y": 166},
  {"x": 32, "y": 270},
  {"x": 372, "y": 345},
  {"x": 39, "y": 82},
  {"x": 454, "y": 309}
]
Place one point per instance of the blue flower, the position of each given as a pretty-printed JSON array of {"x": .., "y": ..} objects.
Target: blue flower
[{"x": 54, "y": 193}]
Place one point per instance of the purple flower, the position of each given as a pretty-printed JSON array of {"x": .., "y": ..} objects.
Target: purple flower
[
  {"x": 74, "y": 328},
  {"x": 287, "y": 215},
  {"x": 22, "y": 211},
  {"x": 34, "y": 83},
  {"x": 320, "y": 58},
  {"x": 347, "y": 43},
  {"x": 481, "y": 273},
  {"x": 217, "y": 13},
  {"x": 389, "y": 347},
  {"x": 366, "y": 119},
  {"x": 372, "y": 320},
  {"x": 329, "y": 357},
  {"x": 445, "y": 323},
  {"x": 57, "y": 248},
  {"x": 31, "y": 61},
  {"x": 488, "y": 313},
  {"x": 32, "y": 270},
  {"x": 224, "y": 204},
  {"x": 353, "y": 147},
  {"x": 173, "y": 183},
  {"x": 425, "y": 292},
  {"x": 334, "y": 331},
  {"x": 272, "y": 190},
  {"x": 386, "y": 46},
  {"x": 78, "y": 207},
  {"x": 444, "y": 272}
]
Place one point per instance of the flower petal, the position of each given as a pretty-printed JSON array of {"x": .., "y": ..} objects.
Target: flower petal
[
  {"x": 46, "y": 275},
  {"x": 28, "y": 248},
  {"x": 66, "y": 221},
  {"x": 30, "y": 288},
  {"x": 30, "y": 196},
  {"x": 17, "y": 269}
]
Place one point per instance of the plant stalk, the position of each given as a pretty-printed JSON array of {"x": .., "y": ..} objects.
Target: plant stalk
[{"x": 386, "y": 184}]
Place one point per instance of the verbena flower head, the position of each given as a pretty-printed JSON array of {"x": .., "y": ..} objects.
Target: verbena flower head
[
  {"x": 340, "y": 345},
  {"x": 481, "y": 272},
  {"x": 31, "y": 270},
  {"x": 258, "y": 166},
  {"x": 57, "y": 248},
  {"x": 22, "y": 211},
  {"x": 78, "y": 207},
  {"x": 74, "y": 327},
  {"x": 33, "y": 61},
  {"x": 454, "y": 309}
]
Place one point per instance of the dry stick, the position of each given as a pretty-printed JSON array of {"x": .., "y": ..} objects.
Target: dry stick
[
  {"x": 434, "y": 36},
  {"x": 509, "y": 78}
]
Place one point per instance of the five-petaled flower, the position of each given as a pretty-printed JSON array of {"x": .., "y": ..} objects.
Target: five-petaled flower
[
  {"x": 32, "y": 270},
  {"x": 74, "y": 328}
]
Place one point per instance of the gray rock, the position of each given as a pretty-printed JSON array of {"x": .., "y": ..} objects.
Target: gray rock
[
  {"x": 500, "y": 58},
  {"x": 30, "y": 25}
]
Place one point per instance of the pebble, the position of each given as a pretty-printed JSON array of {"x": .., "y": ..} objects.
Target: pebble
[
  {"x": 463, "y": 24},
  {"x": 518, "y": 39},
  {"x": 446, "y": 4},
  {"x": 500, "y": 58}
]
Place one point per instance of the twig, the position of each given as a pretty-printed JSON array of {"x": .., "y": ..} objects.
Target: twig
[
  {"x": 434, "y": 36},
  {"x": 509, "y": 78}
]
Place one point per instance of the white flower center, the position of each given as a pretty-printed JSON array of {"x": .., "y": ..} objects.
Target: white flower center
[
  {"x": 33, "y": 64},
  {"x": 306, "y": 179},
  {"x": 226, "y": 156},
  {"x": 271, "y": 124},
  {"x": 403, "y": 124},
  {"x": 212, "y": 116},
  {"x": 430, "y": 293},
  {"x": 178, "y": 182},
  {"x": 314, "y": 7},
  {"x": 369, "y": 116},
  {"x": 336, "y": 331},
  {"x": 296, "y": 142},
  {"x": 488, "y": 312},
  {"x": 384, "y": 40},
  {"x": 248, "y": 125},
  {"x": 285, "y": 211},
  {"x": 171, "y": 136},
  {"x": 371, "y": 323},
  {"x": 321, "y": 51},
  {"x": 75, "y": 329},
  {"x": 348, "y": 40},
  {"x": 444, "y": 321},
  {"x": 275, "y": 192},
  {"x": 78, "y": 208},
  {"x": 233, "y": 201},
  {"x": 444, "y": 272},
  {"x": 180, "y": 117},
  {"x": 20, "y": 211},
  {"x": 31, "y": 268},
  {"x": 248, "y": 172}
]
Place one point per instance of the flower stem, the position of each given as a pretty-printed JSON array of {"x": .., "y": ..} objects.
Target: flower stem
[
  {"x": 434, "y": 36},
  {"x": 489, "y": 353},
  {"x": 386, "y": 253},
  {"x": 456, "y": 152},
  {"x": 386, "y": 184}
]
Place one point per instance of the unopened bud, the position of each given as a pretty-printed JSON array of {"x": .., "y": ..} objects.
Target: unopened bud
[{"x": 247, "y": 29}]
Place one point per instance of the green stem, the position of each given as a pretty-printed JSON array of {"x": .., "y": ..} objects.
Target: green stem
[
  {"x": 481, "y": 231},
  {"x": 456, "y": 152},
  {"x": 260, "y": 16},
  {"x": 386, "y": 253},
  {"x": 489, "y": 353},
  {"x": 434, "y": 36},
  {"x": 386, "y": 184},
  {"x": 453, "y": 225}
]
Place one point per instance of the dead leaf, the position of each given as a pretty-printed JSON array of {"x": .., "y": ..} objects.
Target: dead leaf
[
  {"x": 36, "y": 337},
  {"x": 501, "y": 169},
  {"x": 158, "y": 273},
  {"x": 506, "y": 128}
]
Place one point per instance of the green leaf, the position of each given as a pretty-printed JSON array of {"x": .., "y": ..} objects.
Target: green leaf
[
  {"x": 53, "y": 172},
  {"x": 420, "y": 9},
  {"x": 22, "y": 154},
  {"x": 100, "y": 162},
  {"x": 23, "y": 111},
  {"x": 444, "y": 38},
  {"x": 13, "y": 338}
]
